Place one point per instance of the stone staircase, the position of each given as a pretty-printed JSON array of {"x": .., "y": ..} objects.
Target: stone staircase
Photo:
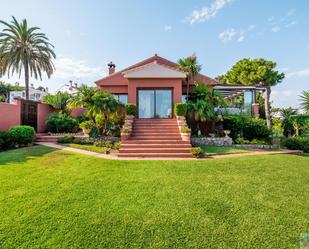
[{"x": 158, "y": 138}]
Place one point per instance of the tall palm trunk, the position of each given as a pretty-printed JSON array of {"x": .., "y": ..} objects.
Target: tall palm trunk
[
  {"x": 26, "y": 66},
  {"x": 267, "y": 114}
]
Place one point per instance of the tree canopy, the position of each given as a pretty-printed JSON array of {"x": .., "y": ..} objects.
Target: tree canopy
[
  {"x": 254, "y": 72},
  {"x": 24, "y": 48}
]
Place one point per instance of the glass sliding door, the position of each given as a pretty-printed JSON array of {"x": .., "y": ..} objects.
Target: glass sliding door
[
  {"x": 146, "y": 107},
  {"x": 155, "y": 103},
  {"x": 163, "y": 103}
]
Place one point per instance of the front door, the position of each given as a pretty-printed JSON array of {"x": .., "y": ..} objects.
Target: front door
[
  {"x": 155, "y": 103},
  {"x": 29, "y": 113}
]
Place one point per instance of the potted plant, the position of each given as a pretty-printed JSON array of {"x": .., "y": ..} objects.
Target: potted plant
[
  {"x": 185, "y": 133},
  {"x": 86, "y": 126},
  {"x": 180, "y": 110},
  {"x": 125, "y": 133},
  {"x": 130, "y": 111}
]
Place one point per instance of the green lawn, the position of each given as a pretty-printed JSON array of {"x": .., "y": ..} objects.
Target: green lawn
[
  {"x": 58, "y": 199},
  {"x": 93, "y": 148},
  {"x": 219, "y": 150}
]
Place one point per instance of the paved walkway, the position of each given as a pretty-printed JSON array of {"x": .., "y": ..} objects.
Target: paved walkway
[{"x": 115, "y": 157}]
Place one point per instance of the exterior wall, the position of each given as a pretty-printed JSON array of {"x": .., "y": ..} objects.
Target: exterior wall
[
  {"x": 76, "y": 112},
  {"x": 175, "y": 84},
  {"x": 115, "y": 89},
  {"x": 9, "y": 115},
  {"x": 43, "y": 111}
]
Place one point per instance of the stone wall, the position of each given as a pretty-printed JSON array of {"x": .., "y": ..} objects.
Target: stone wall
[{"x": 217, "y": 141}]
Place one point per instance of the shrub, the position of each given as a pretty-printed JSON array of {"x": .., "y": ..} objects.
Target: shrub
[
  {"x": 6, "y": 141},
  {"x": 106, "y": 144},
  {"x": 241, "y": 140},
  {"x": 299, "y": 143},
  {"x": 86, "y": 125},
  {"x": 258, "y": 141},
  {"x": 66, "y": 140},
  {"x": 86, "y": 141},
  {"x": 116, "y": 146},
  {"x": 130, "y": 109},
  {"x": 197, "y": 152},
  {"x": 247, "y": 127},
  {"x": 58, "y": 122},
  {"x": 185, "y": 129},
  {"x": 22, "y": 135},
  {"x": 255, "y": 128},
  {"x": 180, "y": 109}
]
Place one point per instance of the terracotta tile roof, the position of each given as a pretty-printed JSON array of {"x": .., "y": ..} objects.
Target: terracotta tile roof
[{"x": 118, "y": 77}]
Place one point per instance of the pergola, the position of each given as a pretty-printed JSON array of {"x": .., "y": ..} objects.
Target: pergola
[{"x": 248, "y": 92}]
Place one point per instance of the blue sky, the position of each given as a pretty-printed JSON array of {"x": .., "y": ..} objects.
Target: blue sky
[{"x": 89, "y": 34}]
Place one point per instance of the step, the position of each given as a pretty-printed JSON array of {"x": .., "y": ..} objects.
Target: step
[
  {"x": 178, "y": 138},
  {"x": 155, "y": 141},
  {"x": 156, "y": 126},
  {"x": 154, "y": 150},
  {"x": 154, "y": 133},
  {"x": 156, "y": 155},
  {"x": 143, "y": 145}
]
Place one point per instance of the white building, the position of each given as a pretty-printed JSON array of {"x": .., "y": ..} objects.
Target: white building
[{"x": 34, "y": 94}]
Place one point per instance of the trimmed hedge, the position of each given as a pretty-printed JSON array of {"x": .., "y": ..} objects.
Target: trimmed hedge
[
  {"x": 22, "y": 135},
  {"x": 130, "y": 109},
  {"x": 17, "y": 136},
  {"x": 297, "y": 143},
  {"x": 180, "y": 109},
  {"x": 58, "y": 123},
  {"x": 247, "y": 127}
]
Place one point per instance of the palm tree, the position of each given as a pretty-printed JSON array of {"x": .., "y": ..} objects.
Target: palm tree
[
  {"x": 102, "y": 106},
  {"x": 83, "y": 97},
  {"x": 24, "y": 48},
  {"x": 287, "y": 124},
  {"x": 58, "y": 101},
  {"x": 304, "y": 98},
  {"x": 191, "y": 68}
]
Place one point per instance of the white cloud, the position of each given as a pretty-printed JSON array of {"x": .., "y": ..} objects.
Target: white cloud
[
  {"x": 299, "y": 74},
  {"x": 167, "y": 28},
  {"x": 227, "y": 35},
  {"x": 67, "y": 67},
  {"x": 241, "y": 36},
  {"x": 207, "y": 12},
  {"x": 275, "y": 29}
]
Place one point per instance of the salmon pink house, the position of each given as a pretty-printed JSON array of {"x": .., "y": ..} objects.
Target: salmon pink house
[{"x": 154, "y": 85}]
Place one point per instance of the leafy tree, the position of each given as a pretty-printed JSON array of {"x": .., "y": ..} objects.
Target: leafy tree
[
  {"x": 202, "y": 103},
  {"x": 59, "y": 101},
  {"x": 25, "y": 48},
  {"x": 256, "y": 72},
  {"x": 83, "y": 97},
  {"x": 304, "y": 98},
  {"x": 190, "y": 66},
  {"x": 101, "y": 107}
]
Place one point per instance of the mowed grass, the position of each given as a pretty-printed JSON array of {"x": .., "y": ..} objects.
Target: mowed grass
[
  {"x": 220, "y": 150},
  {"x": 92, "y": 148},
  {"x": 58, "y": 199}
]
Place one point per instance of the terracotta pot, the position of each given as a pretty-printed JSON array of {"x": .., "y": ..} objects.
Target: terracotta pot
[
  {"x": 185, "y": 136},
  {"x": 124, "y": 136}
]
